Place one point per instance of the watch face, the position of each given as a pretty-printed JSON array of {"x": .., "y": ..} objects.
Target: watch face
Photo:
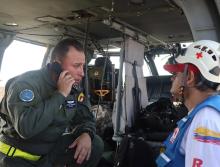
[{"x": 26, "y": 95}]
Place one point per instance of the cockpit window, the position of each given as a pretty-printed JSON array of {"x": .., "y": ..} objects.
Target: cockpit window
[{"x": 160, "y": 61}]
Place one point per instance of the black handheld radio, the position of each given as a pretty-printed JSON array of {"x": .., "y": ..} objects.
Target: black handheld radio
[{"x": 56, "y": 67}]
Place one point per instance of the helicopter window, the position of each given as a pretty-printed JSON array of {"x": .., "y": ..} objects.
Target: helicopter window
[
  {"x": 161, "y": 59},
  {"x": 146, "y": 70},
  {"x": 20, "y": 57},
  {"x": 159, "y": 62},
  {"x": 114, "y": 59}
]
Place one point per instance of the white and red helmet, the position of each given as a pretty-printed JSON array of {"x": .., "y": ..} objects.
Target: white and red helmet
[{"x": 205, "y": 57}]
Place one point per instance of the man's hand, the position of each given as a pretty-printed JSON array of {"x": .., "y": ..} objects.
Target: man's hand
[
  {"x": 65, "y": 83},
  {"x": 83, "y": 146}
]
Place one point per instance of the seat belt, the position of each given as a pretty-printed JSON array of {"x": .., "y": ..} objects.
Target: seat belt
[{"x": 136, "y": 92}]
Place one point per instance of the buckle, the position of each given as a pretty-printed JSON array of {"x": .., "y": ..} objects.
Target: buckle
[{"x": 11, "y": 151}]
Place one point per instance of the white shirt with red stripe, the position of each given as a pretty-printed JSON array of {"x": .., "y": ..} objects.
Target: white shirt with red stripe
[{"x": 201, "y": 142}]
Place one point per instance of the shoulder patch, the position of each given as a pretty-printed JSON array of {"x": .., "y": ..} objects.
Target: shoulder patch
[
  {"x": 205, "y": 135},
  {"x": 26, "y": 95},
  {"x": 81, "y": 97}
]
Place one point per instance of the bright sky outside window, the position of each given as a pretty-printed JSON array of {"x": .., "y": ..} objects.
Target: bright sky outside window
[
  {"x": 162, "y": 59},
  {"x": 20, "y": 57},
  {"x": 159, "y": 62}
]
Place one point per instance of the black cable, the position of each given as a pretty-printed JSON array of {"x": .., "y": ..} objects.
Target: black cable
[
  {"x": 102, "y": 79},
  {"x": 86, "y": 65}
]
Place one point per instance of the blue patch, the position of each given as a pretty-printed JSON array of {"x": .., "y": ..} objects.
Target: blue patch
[
  {"x": 26, "y": 95},
  {"x": 70, "y": 104}
]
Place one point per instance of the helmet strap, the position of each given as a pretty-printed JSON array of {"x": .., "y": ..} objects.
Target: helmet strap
[{"x": 183, "y": 83}]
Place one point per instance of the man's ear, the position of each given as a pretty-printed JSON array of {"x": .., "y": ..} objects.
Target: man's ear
[{"x": 191, "y": 78}]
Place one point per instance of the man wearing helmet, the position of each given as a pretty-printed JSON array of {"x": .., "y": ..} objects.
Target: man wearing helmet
[{"x": 196, "y": 140}]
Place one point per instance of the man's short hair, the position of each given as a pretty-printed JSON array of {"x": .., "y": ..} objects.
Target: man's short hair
[
  {"x": 203, "y": 84},
  {"x": 61, "y": 49}
]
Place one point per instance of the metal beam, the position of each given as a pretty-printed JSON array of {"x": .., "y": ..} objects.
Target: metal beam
[
  {"x": 138, "y": 35},
  {"x": 217, "y": 2},
  {"x": 203, "y": 18}
]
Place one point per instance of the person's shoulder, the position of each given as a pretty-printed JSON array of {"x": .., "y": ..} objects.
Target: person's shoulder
[
  {"x": 205, "y": 125},
  {"x": 30, "y": 75},
  {"x": 208, "y": 113},
  {"x": 29, "y": 78},
  {"x": 208, "y": 118}
]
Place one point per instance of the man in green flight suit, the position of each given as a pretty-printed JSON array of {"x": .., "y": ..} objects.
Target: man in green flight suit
[{"x": 44, "y": 122}]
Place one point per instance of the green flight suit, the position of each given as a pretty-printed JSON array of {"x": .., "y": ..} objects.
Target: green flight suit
[{"x": 34, "y": 122}]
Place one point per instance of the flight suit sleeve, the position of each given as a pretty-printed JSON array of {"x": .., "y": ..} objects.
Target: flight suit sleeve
[
  {"x": 33, "y": 116},
  {"x": 84, "y": 121}
]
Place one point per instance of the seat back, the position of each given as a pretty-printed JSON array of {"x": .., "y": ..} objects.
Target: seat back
[{"x": 105, "y": 93}]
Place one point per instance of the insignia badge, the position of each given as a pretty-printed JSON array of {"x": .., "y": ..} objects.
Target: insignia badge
[
  {"x": 26, "y": 95},
  {"x": 175, "y": 133},
  {"x": 70, "y": 104},
  {"x": 199, "y": 55},
  {"x": 81, "y": 97},
  {"x": 205, "y": 135}
]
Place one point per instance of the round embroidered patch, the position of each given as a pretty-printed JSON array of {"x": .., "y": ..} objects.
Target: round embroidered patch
[{"x": 26, "y": 95}]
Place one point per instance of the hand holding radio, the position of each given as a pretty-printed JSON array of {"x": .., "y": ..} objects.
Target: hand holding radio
[{"x": 65, "y": 83}]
